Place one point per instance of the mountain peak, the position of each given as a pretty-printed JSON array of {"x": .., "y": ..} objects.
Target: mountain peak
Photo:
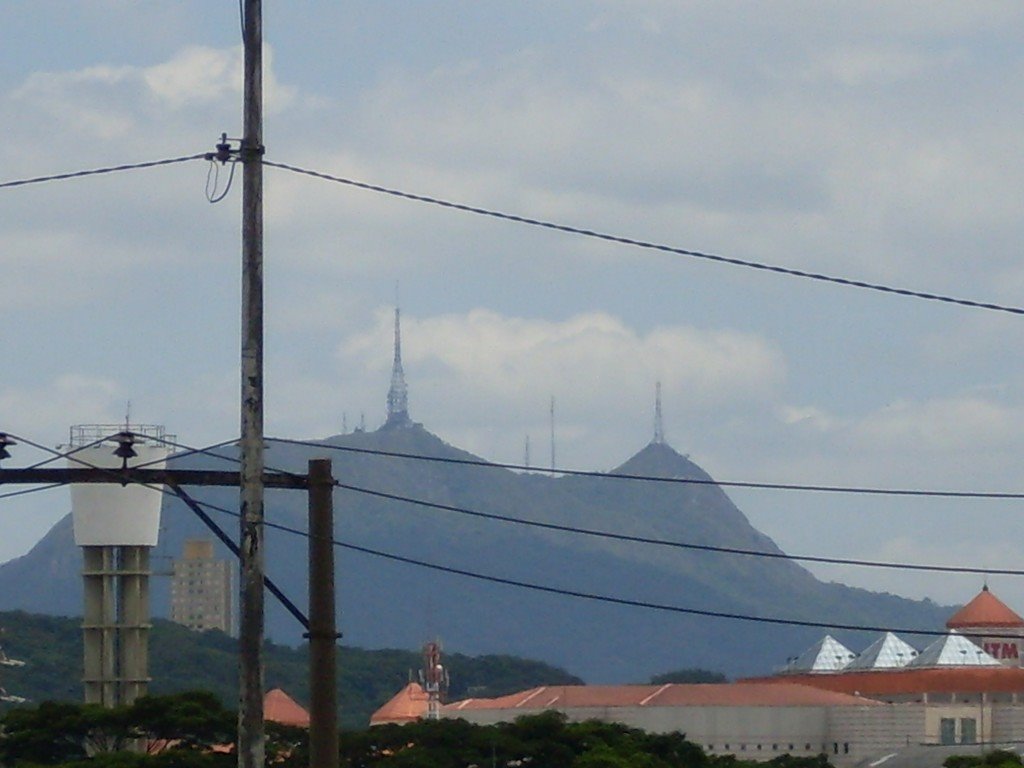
[{"x": 659, "y": 459}]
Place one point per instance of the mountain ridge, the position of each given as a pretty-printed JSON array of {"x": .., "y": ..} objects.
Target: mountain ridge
[{"x": 387, "y": 603}]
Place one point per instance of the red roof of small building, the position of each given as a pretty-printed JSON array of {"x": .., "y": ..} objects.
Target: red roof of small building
[
  {"x": 896, "y": 682},
  {"x": 669, "y": 695},
  {"x": 985, "y": 610},
  {"x": 279, "y": 707},
  {"x": 407, "y": 705}
]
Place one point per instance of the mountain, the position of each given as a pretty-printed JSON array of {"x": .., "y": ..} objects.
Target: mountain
[
  {"x": 182, "y": 660},
  {"x": 385, "y": 603}
]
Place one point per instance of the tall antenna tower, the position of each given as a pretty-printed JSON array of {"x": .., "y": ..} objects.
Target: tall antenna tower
[
  {"x": 552, "y": 433},
  {"x": 526, "y": 453},
  {"x": 398, "y": 393},
  {"x": 659, "y": 426},
  {"x": 434, "y": 679}
]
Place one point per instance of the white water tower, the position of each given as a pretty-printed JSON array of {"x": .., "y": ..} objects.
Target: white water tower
[{"x": 116, "y": 527}]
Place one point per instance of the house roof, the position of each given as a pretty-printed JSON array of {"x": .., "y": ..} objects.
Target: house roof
[
  {"x": 912, "y": 681},
  {"x": 668, "y": 695},
  {"x": 407, "y": 705},
  {"x": 887, "y": 652},
  {"x": 279, "y": 707},
  {"x": 985, "y": 610},
  {"x": 826, "y": 655}
]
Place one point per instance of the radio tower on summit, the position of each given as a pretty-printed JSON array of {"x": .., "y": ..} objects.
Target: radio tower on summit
[{"x": 398, "y": 393}]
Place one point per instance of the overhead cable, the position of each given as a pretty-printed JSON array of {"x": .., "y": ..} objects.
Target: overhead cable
[
  {"x": 33, "y": 489},
  {"x": 683, "y": 544},
  {"x": 100, "y": 171},
  {"x": 648, "y": 245},
  {"x": 610, "y": 599},
  {"x": 591, "y": 595},
  {"x": 849, "y": 489}
]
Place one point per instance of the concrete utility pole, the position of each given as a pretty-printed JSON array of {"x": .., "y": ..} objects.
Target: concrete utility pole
[
  {"x": 251, "y": 735},
  {"x": 323, "y": 705}
]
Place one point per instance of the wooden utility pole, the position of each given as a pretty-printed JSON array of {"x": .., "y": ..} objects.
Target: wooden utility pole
[
  {"x": 323, "y": 705},
  {"x": 251, "y": 736}
]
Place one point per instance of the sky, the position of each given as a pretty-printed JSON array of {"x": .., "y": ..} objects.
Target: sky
[{"x": 876, "y": 141}]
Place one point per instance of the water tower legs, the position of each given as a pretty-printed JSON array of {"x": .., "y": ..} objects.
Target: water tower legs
[{"x": 116, "y": 624}]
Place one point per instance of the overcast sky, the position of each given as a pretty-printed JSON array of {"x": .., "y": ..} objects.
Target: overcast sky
[{"x": 878, "y": 141}]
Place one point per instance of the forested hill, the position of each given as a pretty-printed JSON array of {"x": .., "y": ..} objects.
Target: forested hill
[
  {"x": 391, "y": 603},
  {"x": 183, "y": 660}
]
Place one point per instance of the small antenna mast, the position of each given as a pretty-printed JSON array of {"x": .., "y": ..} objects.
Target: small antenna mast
[
  {"x": 659, "y": 426},
  {"x": 552, "y": 433},
  {"x": 526, "y": 453}
]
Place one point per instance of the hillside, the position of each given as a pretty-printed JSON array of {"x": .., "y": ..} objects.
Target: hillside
[
  {"x": 383, "y": 603},
  {"x": 182, "y": 660}
]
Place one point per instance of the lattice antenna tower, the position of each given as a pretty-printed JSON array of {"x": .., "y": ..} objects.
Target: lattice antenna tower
[
  {"x": 659, "y": 425},
  {"x": 398, "y": 393},
  {"x": 434, "y": 679}
]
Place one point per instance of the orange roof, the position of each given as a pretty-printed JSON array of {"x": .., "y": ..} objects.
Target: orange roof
[
  {"x": 407, "y": 705},
  {"x": 985, "y": 610},
  {"x": 895, "y": 682},
  {"x": 761, "y": 694},
  {"x": 279, "y": 707}
]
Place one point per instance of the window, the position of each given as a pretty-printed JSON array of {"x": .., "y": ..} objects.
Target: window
[
  {"x": 846, "y": 747},
  {"x": 968, "y": 730},
  {"x": 947, "y": 730}
]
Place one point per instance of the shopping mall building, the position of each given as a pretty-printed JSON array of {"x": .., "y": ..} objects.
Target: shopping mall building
[{"x": 966, "y": 687}]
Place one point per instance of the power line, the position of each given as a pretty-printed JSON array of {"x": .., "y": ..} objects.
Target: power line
[
  {"x": 663, "y": 607},
  {"x": 34, "y": 489},
  {"x": 99, "y": 171},
  {"x": 585, "y": 595},
  {"x": 675, "y": 544},
  {"x": 849, "y": 489},
  {"x": 683, "y": 544},
  {"x": 645, "y": 244}
]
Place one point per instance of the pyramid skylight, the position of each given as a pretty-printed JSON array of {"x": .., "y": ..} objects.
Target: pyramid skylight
[
  {"x": 887, "y": 652},
  {"x": 826, "y": 655},
  {"x": 954, "y": 650}
]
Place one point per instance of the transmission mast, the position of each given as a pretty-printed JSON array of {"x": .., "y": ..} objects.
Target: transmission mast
[
  {"x": 434, "y": 679},
  {"x": 659, "y": 426}
]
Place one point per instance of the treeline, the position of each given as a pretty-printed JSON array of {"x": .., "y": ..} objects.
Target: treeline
[
  {"x": 192, "y": 730},
  {"x": 183, "y": 660}
]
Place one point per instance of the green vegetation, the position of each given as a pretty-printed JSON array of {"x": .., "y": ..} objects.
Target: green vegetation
[
  {"x": 182, "y": 660},
  {"x": 692, "y": 675},
  {"x": 997, "y": 758},
  {"x": 182, "y": 730}
]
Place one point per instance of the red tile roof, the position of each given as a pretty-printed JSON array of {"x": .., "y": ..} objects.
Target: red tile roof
[
  {"x": 764, "y": 694},
  {"x": 407, "y": 705},
  {"x": 896, "y": 682},
  {"x": 279, "y": 707},
  {"x": 985, "y": 610}
]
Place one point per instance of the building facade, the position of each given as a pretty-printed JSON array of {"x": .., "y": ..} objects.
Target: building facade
[{"x": 201, "y": 588}]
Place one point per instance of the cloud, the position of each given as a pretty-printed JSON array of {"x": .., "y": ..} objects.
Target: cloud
[
  {"x": 484, "y": 372},
  {"x": 40, "y": 412}
]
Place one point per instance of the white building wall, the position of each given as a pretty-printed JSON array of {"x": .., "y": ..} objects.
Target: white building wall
[{"x": 856, "y": 733}]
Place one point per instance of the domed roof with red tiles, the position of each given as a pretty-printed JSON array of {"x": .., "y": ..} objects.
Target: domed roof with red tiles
[{"x": 985, "y": 610}]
